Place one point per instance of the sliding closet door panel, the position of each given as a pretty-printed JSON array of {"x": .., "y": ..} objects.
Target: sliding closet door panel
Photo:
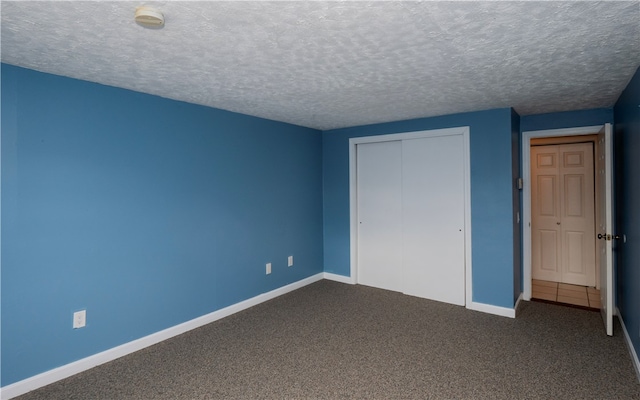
[
  {"x": 380, "y": 214},
  {"x": 433, "y": 218}
]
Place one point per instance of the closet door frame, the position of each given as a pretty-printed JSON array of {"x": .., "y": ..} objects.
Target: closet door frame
[{"x": 353, "y": 193}]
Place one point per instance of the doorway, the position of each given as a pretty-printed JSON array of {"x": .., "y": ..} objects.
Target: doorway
[
  {"x": 563, "y": 210},
  {"x": 603, "y": 206}
]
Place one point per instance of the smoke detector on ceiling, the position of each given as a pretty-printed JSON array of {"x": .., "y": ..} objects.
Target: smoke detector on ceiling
[{"x": 149, "y": 17}]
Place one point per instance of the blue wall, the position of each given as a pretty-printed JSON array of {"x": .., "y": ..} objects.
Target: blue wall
[
  {"x": 145, "y": 211},
  {"x": 491, "y": 197},
  {"x": 566, "y": 119},
  {"x": 627, "y": 194}
]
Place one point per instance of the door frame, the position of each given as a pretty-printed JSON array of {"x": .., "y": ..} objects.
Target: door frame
[
  {"x": 526, "y": 191},
  {"x": 590, "y": 189},
  {"x": 353, "y": 194}
]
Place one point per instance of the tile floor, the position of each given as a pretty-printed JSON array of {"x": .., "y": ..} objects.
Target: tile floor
[{"x": 565, "y": 293}]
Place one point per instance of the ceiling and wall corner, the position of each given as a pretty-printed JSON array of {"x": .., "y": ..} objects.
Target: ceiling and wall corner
[{"x": 330, "y": 65}]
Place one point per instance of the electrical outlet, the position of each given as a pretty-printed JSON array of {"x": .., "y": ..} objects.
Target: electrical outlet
[
  {"x": 290, "y": 261},
  {"x": 79, "y": 319},
  {"x": 268, "y": 268}
]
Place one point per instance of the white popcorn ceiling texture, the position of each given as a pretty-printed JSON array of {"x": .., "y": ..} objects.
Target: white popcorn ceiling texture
[{"x": 338, "y": 64}]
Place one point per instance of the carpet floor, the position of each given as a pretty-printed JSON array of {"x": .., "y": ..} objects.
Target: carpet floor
[{"x": 335, "y": 341}]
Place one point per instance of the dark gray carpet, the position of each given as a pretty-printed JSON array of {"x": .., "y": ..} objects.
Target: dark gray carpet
[{"x": 334, "y": 341}]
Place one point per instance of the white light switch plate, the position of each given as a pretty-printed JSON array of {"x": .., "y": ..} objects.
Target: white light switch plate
[
  {"x": 290, "y": 261},
  {"x": 268, "y": 268}
]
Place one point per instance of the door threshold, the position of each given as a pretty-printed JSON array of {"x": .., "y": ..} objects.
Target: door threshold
[{"x": 566, "y": 304}]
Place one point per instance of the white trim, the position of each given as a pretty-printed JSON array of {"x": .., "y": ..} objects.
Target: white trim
[
  {"x": 339, "y": 278},
  {"x": 490, "y": 309},
  {"x": 48, "y": 377},
  {"x": 634, "y": 355},
  {"x": 467, "y": 215},
  {"x": 353, "y": 203},
  {"x": 607, "y": 269},
  {"x": 526, "y": 192},
  {"x": 515, "y": 308}
]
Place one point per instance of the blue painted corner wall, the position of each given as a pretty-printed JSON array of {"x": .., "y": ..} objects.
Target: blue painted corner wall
[
  {"x": 144, "y": 211},
  {"x": 627, "y": 198},
  {"x": 492, "y": 192}
]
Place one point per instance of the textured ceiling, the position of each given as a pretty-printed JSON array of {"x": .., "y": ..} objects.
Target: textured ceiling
[{"x": 337, "y": 64}]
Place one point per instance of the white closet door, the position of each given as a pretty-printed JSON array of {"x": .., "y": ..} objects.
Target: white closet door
[
  {"x": 380, "y": 214},
  {"x": 433, "y": 218}
]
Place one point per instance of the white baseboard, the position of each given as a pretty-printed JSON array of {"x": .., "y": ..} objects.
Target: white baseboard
[
  {"x": 632, "y": 351},
  {"x": 515, "y": 308},
  {"x": 496, "y": 310},
  {"x": 485, "y": 308},
  {"x": 339, "y": 278},
  {"x": 48, "y": 377}
]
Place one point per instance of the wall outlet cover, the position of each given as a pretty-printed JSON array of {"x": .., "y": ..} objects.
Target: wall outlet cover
[{"x": 79, "y": 319}]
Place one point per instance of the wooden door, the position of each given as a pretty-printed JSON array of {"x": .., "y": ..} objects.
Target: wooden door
[
  {"x": 545, "y": 214},
  {"x": 563, "y": 213}
]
